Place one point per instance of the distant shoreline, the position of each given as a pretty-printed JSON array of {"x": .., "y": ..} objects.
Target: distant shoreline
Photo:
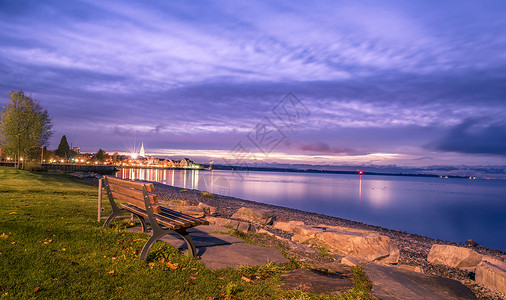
[{"x": 286, "y": 170}]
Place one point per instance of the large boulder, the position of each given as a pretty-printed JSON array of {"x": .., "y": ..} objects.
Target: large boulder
[
  {"x": 344, "y": 241},
  {"x": 287, "y": 226},
  {"x": 258, "y": 216},
  {"x": 453, "y": 256},
  {"x": 492, "y": 275}
]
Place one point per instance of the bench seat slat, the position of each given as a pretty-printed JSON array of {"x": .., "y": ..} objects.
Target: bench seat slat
[
  {"x": 173, "y": 213},
  {"x": 134, "y": 201},
  {"x": 170, "y": 224},
  {"x": 132, "y": 192},
  {"x": 170, "y": 221},
  {"x": 131, "y": 184}
]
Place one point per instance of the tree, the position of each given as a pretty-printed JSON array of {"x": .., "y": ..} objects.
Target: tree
[
  {"x": 100, "y": 156},
  {"x": 24, "y": 124},
  {"x": 63, "y": 150}
]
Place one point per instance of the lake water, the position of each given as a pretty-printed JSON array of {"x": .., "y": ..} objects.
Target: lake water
[{"x": 447, "y": 209}]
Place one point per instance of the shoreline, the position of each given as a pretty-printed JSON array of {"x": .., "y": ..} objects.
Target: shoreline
[
  {"x": 413, "y": 248},
  {"x": 227, "y": 205}
]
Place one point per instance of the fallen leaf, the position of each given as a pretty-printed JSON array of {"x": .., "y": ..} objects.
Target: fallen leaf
[
  {"x": 13, "y": 243},
  {"x": 3, "y": 235},
  {"x": 111, "y": 272},
  {"x": 35, "y": 290},
  {"x": 191, "y": 277},
  {"x": 13, "y": 213},
  {"x": 171, "y": 265},
  {"x": 245, "y": 279},
  {"x": 63, "y": 249}
]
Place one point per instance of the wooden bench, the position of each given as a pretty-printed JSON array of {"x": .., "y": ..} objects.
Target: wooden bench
[{"x": 139, "y": 200}]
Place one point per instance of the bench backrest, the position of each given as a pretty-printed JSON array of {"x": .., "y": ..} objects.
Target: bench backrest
[{"x": 131, "y": 192}]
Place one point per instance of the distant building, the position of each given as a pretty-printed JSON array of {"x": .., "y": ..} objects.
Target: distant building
[
  {"x": 141, "y": 153},
  {"x": 76, "y": 149},
  {"x": 153, "y": 160},
  {"x": 183, "y": 163}
]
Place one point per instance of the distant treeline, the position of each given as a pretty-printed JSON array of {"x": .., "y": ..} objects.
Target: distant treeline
[{"x": 287, "y": 170}]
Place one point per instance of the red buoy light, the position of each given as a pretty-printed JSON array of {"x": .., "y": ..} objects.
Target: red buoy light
[{"x": 360, "y": 172}]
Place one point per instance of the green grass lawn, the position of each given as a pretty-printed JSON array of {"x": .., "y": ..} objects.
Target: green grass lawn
[{"x": 51, "y": 246}]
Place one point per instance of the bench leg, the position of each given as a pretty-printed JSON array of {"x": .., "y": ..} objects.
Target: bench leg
[
  {"x": 189, "y": 242},
  {"x": 152, "y": 239},
  {"x": 158, "y": 234},
  {"x": 113, "y": 215},
  {"x": 143, "y": 223}
]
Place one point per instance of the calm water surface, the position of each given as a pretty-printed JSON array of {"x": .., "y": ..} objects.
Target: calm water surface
[{"x": 447, "y": 209}]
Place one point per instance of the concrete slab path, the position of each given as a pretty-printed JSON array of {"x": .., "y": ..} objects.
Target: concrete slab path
[{"x": 218, "y": 251}]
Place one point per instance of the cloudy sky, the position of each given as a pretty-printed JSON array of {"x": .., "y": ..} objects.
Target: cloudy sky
[{"x": 361, "y": 82}]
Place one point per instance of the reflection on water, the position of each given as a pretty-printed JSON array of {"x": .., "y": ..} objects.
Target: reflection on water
[
  {"x": 360, "y": 188},
  {"x": 188, "y": 179},
  {"x": 448, "y": 209}
]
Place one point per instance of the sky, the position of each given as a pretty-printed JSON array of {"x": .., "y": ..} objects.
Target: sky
[{"x": 407, "y": 83}]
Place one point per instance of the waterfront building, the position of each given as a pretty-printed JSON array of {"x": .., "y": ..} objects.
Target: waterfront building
[{"x": 141, "y": 153}]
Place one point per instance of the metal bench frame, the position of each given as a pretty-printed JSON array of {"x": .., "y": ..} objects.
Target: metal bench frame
[{"x": 160, "y": 223}]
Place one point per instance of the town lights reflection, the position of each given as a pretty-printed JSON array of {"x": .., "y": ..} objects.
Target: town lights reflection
[{"x": 188, "y": 179}]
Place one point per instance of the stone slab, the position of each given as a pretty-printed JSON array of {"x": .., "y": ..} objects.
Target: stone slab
[
  {"x": 315, "y": 282},
  {"x": 217, "y": 251},
  {"x": 239, "y": 254},
  {"x": 390, "y": 283}
]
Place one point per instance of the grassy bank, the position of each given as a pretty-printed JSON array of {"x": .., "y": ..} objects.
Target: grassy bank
[{"x": 52, "y": 247}]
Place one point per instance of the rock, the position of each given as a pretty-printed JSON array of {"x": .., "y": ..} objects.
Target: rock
[
  {"x": 471, "y": 243},
  {"x": 493, "y": 259},
  {"x": 295, "y": 246},
  {"x": 288, "y": 226},
  {"x": 393, "y": 283},
  {"x": 263, "y": 231},
  {"x": 453, "y": 256},
  {"x": 317, "y": 282},
  {"x": 364, "y": 244},
  {"x": 331, "y": 268},
  {"x": 492, "y": 275},
  {"x": 193, "y": 211},
  {"x": 207, "y": 209},
  {"x": 218, "y": 221},
  {"x": 245, "y": 227},
  {"x": 258, "y": 216},
  {"x": 410, "y": 268},
  {"x": 233, "y": 224},
  {"x": 353, "y": 261}
]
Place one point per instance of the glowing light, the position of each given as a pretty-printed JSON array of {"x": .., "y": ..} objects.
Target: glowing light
[
  {"x": 134, "y": 155},
  {"x": 360, "y": 172}
]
